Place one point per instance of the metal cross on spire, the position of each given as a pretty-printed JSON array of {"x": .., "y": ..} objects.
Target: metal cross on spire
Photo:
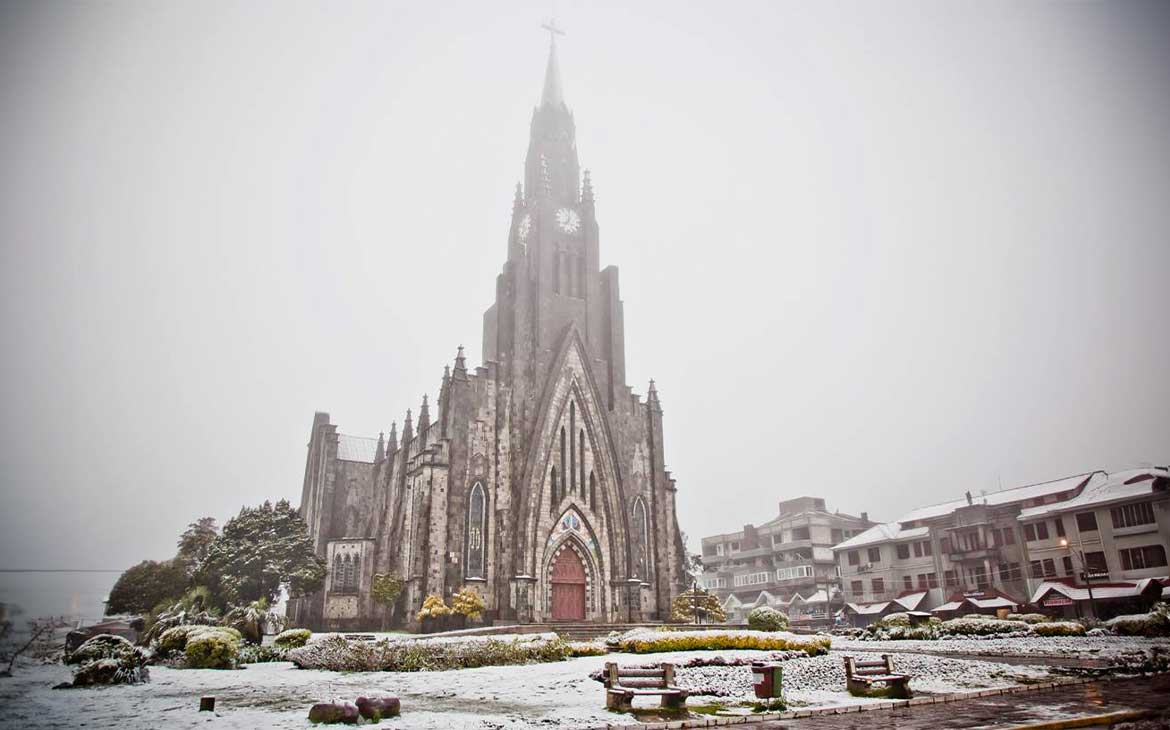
[{"x": 551, "y": 27}]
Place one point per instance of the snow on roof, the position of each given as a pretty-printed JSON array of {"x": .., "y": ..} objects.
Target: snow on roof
[
  {"x": 885, "y": 532},
  {"x": 997, "y": 602},
  {"x": 356, "y": 448},
  {"x": 952, "y": 606},
  {"x": 731, "y": 600},
  {"x": 868, "y": 609},
  {"x": 1122, "y": 589},
  {"x": 910, "y": 601},
  {"x": 1105, "y": 488},
  {"x": 1005, "y": 496}
]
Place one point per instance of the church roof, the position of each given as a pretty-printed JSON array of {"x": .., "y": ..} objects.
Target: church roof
[{"x": 356, "y": 448}]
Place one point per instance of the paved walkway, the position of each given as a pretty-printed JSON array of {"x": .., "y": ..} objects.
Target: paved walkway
[{"x": 1003, "y": 711}]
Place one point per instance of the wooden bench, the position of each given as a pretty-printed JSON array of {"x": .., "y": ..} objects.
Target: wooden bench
[
  {"x": 860, "y": 676},
  {"x": 622, "y": 684}
]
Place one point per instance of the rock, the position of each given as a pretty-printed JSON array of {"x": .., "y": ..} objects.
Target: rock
[
  {"x": 330, "y": 713},
  {"x": 375, "y": 708}
]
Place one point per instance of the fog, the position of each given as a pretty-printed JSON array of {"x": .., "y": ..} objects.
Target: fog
[{"x": 880, "y": 253}]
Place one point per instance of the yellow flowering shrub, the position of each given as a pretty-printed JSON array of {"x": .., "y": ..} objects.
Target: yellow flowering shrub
[
  {"x": 433, "y": 607},
  {"x": 654, "y": 642},
  {"x": 468, "y": 603}
]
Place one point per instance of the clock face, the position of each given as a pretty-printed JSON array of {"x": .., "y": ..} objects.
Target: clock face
[
  {"x": 568, "y": 220},
  {"x": 524, "y": 227}
]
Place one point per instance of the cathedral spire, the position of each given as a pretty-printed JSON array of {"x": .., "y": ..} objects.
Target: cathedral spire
[
  {"x": 552, "y": 95},
  {"x": 392, "y": 442},
  {"x": 460, "y": 365},
  {"x": 380, "y": 451},
  {"x": 407, "y": 431},
  {"x": 424, "y": 415}
]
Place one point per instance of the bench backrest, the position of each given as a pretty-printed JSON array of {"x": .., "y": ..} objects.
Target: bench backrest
[
  {"x": 659, "y": 677},
  {"x": 855, "y": 668}
]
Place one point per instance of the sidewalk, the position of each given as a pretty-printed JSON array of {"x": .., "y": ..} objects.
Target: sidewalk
[{"x": 1003, "y": 711}]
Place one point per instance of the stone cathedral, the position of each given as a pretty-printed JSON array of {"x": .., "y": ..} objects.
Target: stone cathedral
[{"x": 539, "y": 480}]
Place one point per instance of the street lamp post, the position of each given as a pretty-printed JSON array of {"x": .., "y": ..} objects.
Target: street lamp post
[{"x": 1084, "y": 572}]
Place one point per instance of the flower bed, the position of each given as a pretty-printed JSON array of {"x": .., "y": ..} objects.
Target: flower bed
[
  {"x": 643, "y": 641},
  {"x": 335, "y": 652}
]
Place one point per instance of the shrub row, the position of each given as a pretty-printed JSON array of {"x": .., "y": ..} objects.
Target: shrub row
[
  {"x": 337, "y": 653},
  {"x": 1154, "y": 623},
  {"x": 640, "y": 641}
]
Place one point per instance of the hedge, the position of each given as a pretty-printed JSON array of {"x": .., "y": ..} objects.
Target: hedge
[
  {"x": 640, "y": 641},
  {"x": 336, "y": 653}
]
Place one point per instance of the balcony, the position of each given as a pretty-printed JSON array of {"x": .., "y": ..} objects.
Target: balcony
[{"x": 967, "y": 554}]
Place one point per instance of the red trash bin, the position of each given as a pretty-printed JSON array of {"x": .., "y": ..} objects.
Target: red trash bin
[{"x": 767, "y": 680}]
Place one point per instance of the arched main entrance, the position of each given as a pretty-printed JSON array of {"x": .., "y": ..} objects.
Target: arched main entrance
[{"x": 568, "y": 587}]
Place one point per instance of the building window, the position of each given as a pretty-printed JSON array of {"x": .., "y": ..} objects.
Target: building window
[
  {"x": 854, "y": 557},
  {"x": 1140, "y": 558},
  {"x": 476, "y": 517},
  {"x": 907, "y": 583},
  {"x": 735, "y": 547},
  {"x": 1030, "y": 533},
  {"x": 800, "y": 533},
  {"x": 1049, "y": 568},
  {"x": 1009, "y": 536},
  {"x": 1059, "y": 524},
  {"x": 1130, "y": 515},
  {"x": 642, "y": 525},
  {"x": 981, "y": 577},
  {"x": 572, "y": 467},
  {"x": 856, "y": 588},
  {"x": 1036, "y": 531},
  {"x": 1009, "y": 572},
  {"x": 945, "y": 544},
  {"x": 879, "y": 586},
  {"x": 1096, "y": 564},
  {"x": 875, "y": 555},
  {"x": 1067, "y": 564},
  {"x": 556, "y": 490},
  {"x": 1087, "y": 521},
  {"x": 347, "y": 570},
  {"x": 592, "y": 492},
  {"x": 926, "y": 548},
  {"x": 837, "y": 536},
  {"x": 903, "y": 551},
  {"x": 799, "y": 571},
  {"x": 751, "y": 579},
  {"x": 719, "y": 549},
  {"x": 950, "y": 578}
]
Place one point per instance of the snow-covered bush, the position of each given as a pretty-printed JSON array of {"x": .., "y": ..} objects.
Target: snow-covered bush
[
  {"x": 896, "y": 626},
  {"x": 588, "y": 648},
  {"x": 983, "y": 626},
  {"x": 644, "y": 641},
  {"x": 1058, "y": 628},
  {"x": 766, "y": 618},
  {"x": 257, "y": 654},
  {"x": 433, "y": 607},
  {"x": 174, "y": 640},
  {"x": 293, "y": 638},
  {"x": 107, "y": 659},
  {"x": 1154, "y": 623},
  {"x": 336, "y": 653},
  {"x": 468, "y": 603},
  {"x": 212, "y": 648},
  {"x": 1028, "y": 618}
]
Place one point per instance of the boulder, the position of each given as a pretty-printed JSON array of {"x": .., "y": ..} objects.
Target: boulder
[
  {"x": 330, "y": 713},
  {"x": 375, "y": 708}
]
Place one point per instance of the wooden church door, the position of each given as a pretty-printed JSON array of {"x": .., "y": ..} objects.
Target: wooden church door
[{"x": 568, "y": 587}]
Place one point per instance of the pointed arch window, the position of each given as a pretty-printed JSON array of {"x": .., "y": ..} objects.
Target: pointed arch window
[
  {"x": 581, "y": 459},
  {"x": 572, "y": 467},
  {"x": 476, "y": 519},
  {"x": 556, "y": 491},
  {"x": 564, "y": 463},
  {"x": 641, "y": 538},
  {"x": 355, "y": 572},
  {"x": 592, "y": 492}
]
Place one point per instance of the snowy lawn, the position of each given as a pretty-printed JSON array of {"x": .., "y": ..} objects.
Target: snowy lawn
[
  {"x": 1107, "y": 648},
  {"x": 278, "y": 695}
]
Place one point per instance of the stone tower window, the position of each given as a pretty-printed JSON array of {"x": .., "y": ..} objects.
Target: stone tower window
[
  {"x": 642, "y": 539},
  {"x": 476, "y": 517}
]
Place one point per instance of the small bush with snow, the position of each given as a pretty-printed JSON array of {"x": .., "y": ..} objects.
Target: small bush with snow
[
  {"x": 108, "y": 659},
  {"x": 1059, "y": 628},
  {"x": 766, "y": 618},
  {"x": 1028, "y": 618},
  {"x": 1154, "y": 623},
  {"x": 212, "y": 648},
  {"x": 293, "y": 638},
  {"x": 983, "y": 626},
  {"x": 896, "y": 627},
  {"x": 258, "y": 654}
]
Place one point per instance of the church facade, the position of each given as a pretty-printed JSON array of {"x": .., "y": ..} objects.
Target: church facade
[{"x": 540, "y": 480}]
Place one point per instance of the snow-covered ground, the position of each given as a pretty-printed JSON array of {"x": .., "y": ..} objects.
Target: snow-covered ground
[
  {"x": 278, "y": 695},
  {"x": 1082, "y": 647}
]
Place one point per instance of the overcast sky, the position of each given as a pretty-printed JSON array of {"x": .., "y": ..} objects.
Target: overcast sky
[{"x": 880, "y": 253}]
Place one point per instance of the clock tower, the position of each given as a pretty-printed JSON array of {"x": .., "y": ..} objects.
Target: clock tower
[{"x": 553, "y": 277}]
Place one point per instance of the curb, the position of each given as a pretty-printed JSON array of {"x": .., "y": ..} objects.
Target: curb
[
  {"x": 869, "y": 707},
  {"x": 1089, "y": 721}
]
